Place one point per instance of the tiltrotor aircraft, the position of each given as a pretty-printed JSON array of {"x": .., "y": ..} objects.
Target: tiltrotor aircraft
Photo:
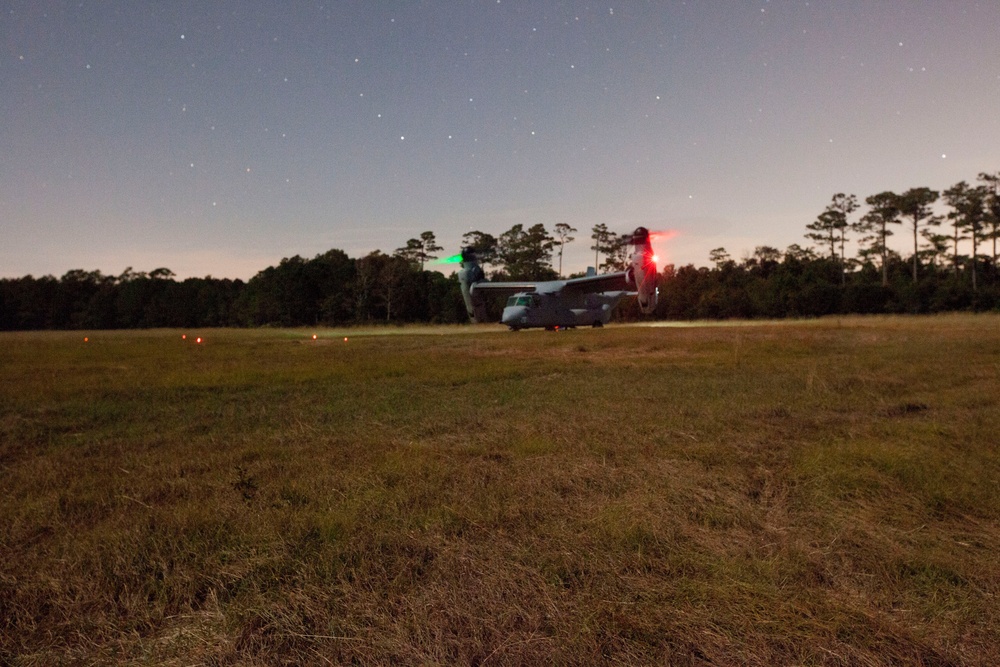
[{"x": 559, "y": 304}]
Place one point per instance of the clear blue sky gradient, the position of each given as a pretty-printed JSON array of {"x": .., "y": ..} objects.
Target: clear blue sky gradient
[{"x": 218, "y": 137}]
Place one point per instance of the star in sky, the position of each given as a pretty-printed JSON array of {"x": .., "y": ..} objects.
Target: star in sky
[{"x": 219, "y": 137}]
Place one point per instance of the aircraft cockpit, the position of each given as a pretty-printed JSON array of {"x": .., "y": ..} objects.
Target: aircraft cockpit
[{"x": 521, "y": 300}]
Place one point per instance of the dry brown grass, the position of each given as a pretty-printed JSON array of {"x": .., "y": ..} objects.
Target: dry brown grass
[{"x": 823, "y": 492}]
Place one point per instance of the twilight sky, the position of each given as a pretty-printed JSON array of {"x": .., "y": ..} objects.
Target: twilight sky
[{"x": 218, "y": 137}]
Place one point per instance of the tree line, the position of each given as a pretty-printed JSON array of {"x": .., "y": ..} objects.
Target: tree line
[
  {"x": 329, "y": 289},
  {"x": 953, "y": 266}
]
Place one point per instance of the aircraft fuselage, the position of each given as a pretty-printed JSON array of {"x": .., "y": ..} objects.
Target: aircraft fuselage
[
  {"x": 583, "y": 301},
  {"x": 532, "y": 309}
]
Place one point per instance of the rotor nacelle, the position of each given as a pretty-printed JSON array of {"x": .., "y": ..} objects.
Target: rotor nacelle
[
  {"x": 470, "y": 274},
  {"x": 642, "y": 273}
]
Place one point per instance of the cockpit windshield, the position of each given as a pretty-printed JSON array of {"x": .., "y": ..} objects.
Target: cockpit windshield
[{"x": 519, "y": 301}]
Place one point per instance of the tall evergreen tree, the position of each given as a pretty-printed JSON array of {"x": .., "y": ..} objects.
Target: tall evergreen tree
[
  {"x": 824, "y": 231},
  {"x": 992, "y": 184},
  {"x": 617, "y": 252},
  {"x": 915, "y": 204},
  {"x": 563, "y": 237},
  {"x": 601, "y": 236},
  {"x": 526, "y": 254},
  {"x": 720, "y": 258},
  {"x": 875, "y": 224},
  {"x": 936, "y": 247},
  {"x": 419, "y": 251},
  {"x": 840, "y": 208},
  {"x": 412, "y": 252},
  {"x": 428, "y": 246},
  {"x": 969, "y": 212}
]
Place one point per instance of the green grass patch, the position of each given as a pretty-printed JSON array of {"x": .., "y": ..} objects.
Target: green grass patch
[{"x": 821, "y": 492}]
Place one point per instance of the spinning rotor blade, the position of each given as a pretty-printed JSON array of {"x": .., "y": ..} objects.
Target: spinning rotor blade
[
  {"x": 662, "y": 235},
  {"x": 658, "y": 237}
]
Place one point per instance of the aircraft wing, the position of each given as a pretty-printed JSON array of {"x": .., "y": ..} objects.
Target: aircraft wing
[
  {"x": 608, "y": 282},
  {"x": 502, "y": 289}
]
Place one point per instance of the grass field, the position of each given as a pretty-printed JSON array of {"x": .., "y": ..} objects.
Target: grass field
[{"x": 822, "y": 492}]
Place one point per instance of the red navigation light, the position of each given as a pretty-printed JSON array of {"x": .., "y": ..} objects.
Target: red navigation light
[
  {"x": 184, "y": 336},
  {"x": 345, "y": 339},
  {"x": 198, "y": 340},
  {"x": 314, "y": 336},
  {"x": 86, "y": 340}
]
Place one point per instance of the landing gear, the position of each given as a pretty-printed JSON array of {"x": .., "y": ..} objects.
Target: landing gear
[{"x": 598, "y": 324}]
